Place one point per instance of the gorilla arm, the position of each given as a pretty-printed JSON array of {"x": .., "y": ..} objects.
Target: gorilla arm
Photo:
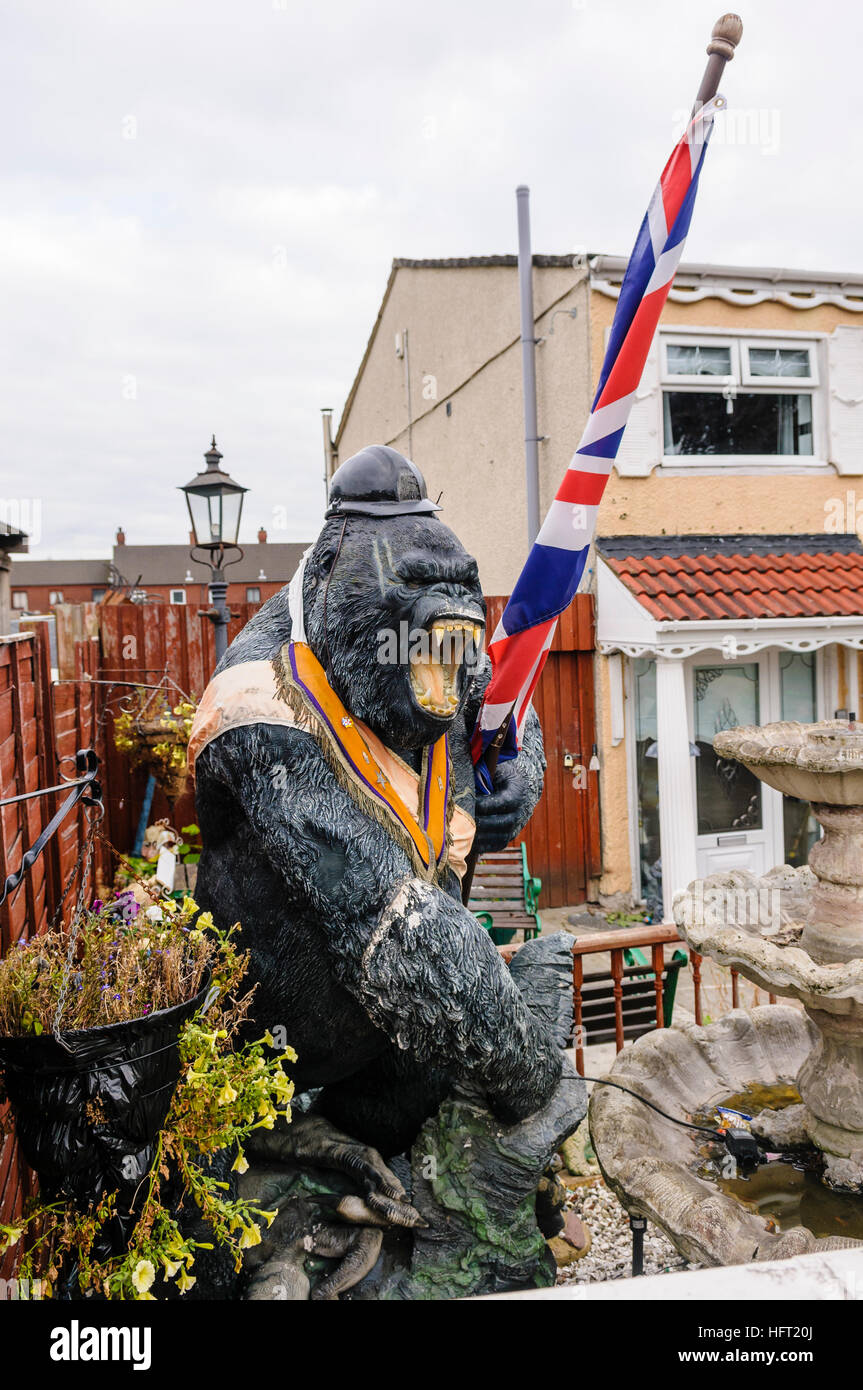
[{"x": 425, "y": 972}]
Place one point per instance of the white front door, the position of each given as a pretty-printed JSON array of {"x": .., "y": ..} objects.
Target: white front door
[{"x": 738, "y": 819}]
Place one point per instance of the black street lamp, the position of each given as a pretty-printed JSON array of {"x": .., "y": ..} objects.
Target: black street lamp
[{"x": 215, "y": 505}]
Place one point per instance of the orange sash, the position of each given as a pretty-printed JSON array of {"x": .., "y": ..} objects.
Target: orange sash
[{"x": 418, "y": 810}]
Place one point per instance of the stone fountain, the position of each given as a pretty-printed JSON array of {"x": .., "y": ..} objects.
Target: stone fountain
[{"x": 797, "y": 933}]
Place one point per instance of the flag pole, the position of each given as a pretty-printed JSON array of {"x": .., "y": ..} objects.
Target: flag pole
[
  {"x": 492, "y": 756},
  {"x": 724, "y": 38}
]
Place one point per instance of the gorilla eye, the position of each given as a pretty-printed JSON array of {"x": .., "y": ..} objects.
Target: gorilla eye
[{"x": 414, "y": 583}]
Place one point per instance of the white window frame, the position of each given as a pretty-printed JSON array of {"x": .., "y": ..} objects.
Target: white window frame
[
  {"x": 55, "y": 596},
  {"x": 742, "y": 379},
  {"x": 667, "y": 340},
  {"x": 783, "y": 382},
  {"x": 17, "y": 596},
  {"x": 253, "y": 588},
  {"x": 181, "y": 600}
]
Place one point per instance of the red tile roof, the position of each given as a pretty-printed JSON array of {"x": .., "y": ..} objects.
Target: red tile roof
[{"x": 734, "y": 586}]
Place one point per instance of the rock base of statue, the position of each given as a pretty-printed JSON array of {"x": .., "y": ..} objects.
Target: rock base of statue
[{"x": 472, "y": 1179}]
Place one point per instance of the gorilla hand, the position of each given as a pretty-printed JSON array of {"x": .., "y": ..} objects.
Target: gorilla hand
[
  {"x": 505, "y": 811},
  {"x": 500, "y": 815}
]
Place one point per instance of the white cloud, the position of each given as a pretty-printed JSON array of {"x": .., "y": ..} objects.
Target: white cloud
[{"x": 200, "y": 204}]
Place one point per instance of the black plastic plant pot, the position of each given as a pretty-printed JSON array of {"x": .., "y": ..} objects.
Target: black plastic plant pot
[{"x": 87, "y": 1120}]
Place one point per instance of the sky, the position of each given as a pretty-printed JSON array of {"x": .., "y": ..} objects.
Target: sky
[{"x": 201, "y": 199}]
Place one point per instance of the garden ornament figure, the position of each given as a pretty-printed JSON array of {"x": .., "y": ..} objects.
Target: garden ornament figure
[{"x": 335, "y": 795}]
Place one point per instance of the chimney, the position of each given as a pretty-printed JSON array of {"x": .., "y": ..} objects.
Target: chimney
[
  {"x": 121, "y": 536},
  {"x": 262, "y": 537}
]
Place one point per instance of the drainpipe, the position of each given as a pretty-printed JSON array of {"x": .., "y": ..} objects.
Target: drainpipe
[
  {"x": 407, "y": 357},
  {"x": 329, "y": 447},
  {"x": 528, "y": 362}
]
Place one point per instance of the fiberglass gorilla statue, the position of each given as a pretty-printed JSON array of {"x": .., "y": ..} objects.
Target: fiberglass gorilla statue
[{"x": 335, "y": 795}]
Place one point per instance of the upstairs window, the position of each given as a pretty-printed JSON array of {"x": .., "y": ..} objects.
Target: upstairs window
[
  {"x": 253, "y": 594},
  {"x": 749, "y": 398},
  {"x": 178, "y": 596},
  {"x": 19, "y": 600},
  {"x": 55, "y": 596}
]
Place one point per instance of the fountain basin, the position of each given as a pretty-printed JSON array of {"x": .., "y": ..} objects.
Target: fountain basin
[
  {"x": 815, "y": 762},
  {"x": 650, "y": 1163}
]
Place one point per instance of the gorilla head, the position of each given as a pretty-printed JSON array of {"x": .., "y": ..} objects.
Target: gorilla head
[{"x": 393, "y": 606}]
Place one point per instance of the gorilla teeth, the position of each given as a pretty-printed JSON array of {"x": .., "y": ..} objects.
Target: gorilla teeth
[{"x": 434, "y": 674}]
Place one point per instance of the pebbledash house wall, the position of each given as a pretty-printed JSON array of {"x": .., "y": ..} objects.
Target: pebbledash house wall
[
  {"x": 463, "y": 346},
  {"x": 464, "y": 352}
]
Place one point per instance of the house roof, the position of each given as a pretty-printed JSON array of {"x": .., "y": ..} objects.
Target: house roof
[
  {"x": 162, "y": 564},
  {"x": 58, "y": 572},
  {"x": 715, "y": 578},
  {"x": 168, "y": 564},
  {"x": 12, "y": 537}
]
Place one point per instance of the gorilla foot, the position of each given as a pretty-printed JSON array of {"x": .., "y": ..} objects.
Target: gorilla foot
[
  {"x": 309, "y": 1171},
  {"x": 310, "y": 1141}
]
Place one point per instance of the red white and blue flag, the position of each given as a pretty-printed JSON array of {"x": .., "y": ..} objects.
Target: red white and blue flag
[{"x": 553, "y": 570}]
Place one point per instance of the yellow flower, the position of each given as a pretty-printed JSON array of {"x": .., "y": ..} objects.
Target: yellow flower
[
  {"x": 251, "y": 1236},
  {"x": 13, "y": 1235},
  {"x": 282, "y": 1087},
  {"x": 185, "y": 1282},
  {"x": 143, "y": 1275},
  {"x": 205, "y": 922},
  {"x": 172, "y": 1267},
  {"x": 240, "y": 1163},
  {"x": 148, "y": 1297},
  {"x": 269, "y": 1216},
  {"x": 227, "y": 1094}
]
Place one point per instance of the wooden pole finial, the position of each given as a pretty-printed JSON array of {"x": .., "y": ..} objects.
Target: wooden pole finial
[{"x": 726, "y": 35}]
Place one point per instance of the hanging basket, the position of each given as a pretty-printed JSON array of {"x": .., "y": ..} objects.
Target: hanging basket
[
  {"x": 152, "y": 732},
  {"x": 87, "y": 1120}
]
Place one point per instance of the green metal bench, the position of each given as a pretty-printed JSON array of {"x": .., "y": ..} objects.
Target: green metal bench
[{"x": 504, "y": 895}]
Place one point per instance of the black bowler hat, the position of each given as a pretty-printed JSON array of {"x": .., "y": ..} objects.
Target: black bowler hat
[{"x": 378, "y": 481}]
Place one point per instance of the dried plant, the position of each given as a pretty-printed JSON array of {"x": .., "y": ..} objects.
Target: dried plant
[{"x": 128, "y": 962}]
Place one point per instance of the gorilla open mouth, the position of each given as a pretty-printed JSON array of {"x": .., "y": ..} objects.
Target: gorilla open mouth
[{"x": 437, "y": 663}]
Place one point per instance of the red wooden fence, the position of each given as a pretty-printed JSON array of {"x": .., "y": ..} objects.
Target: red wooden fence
[
  {"x": 563, "y": 835},
  {"x": 41, "y": 728}
]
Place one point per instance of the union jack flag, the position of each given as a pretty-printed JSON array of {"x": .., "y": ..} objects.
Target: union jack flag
[{"x": 554, "y": 567}]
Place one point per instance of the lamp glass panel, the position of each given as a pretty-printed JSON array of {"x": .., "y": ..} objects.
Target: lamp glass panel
[{"x": 232, "y": 506}]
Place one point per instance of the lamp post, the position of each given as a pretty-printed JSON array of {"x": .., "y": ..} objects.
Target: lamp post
[{"x": 215, "y": 503}]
